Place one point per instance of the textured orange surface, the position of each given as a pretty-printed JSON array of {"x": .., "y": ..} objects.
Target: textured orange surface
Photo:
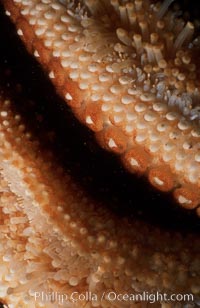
[{"x": 108, "y": 98}]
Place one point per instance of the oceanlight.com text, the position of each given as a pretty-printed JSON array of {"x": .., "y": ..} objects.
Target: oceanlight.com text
[{"x": 110, "y": 296}]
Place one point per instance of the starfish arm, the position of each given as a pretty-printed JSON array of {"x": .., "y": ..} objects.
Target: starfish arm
[
  {"x": 56, "y": 240},
  {"x": 130, "y": 78}
]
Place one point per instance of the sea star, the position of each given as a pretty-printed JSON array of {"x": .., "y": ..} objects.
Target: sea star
[
  {"x": 129, "y": 71},
  {"x": 43, "y": 250},
  {"x": 56, "y": 240}
]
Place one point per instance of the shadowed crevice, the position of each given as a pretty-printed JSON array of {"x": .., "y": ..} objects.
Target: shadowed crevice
[{"x": 97, "y": 171}]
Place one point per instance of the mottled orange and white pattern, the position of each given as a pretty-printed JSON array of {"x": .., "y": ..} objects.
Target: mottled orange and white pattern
[
  {"x": 130, "y": 72},
  {"x": 55, "y": 238}
]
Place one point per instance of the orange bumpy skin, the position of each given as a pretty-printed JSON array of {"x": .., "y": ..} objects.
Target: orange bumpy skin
[
  {"x": 128, "y": 70},
  {"x": 54, "y": 239}
]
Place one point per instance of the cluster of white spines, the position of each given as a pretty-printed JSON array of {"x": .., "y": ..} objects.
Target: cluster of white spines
[
  {"x": 132, "y": 75},
  {"x": 108, "y": 248},
  {"x": 149, "y": 72}
]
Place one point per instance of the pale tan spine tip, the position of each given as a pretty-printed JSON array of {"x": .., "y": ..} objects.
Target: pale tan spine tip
[
  {"x": 70, "y": 89},
  {"x": 136, "y": 160},
  {"x": 112, "y": 139},
  {"x": 93, "y": 117},
  {"x": 188, "y": 196},
  {"x": 161, "y": 178}
]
